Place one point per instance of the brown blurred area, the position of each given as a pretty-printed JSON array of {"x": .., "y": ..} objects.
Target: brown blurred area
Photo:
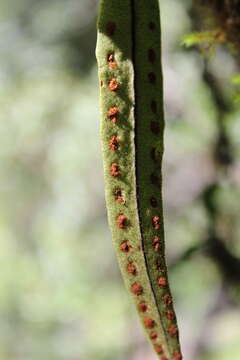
[{"x": 62, "y": 297}]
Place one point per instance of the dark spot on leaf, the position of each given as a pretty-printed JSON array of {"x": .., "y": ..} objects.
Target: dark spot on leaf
[
  {"x": 152, "y": 78},
  {"x": 155, "y": 128},
  {"x": 151, "y": 25},
  {"x": 153, "y": 202},
  {"x": 155, "y": 180},
  {"x": 154, "y": 106},
  {"x": 110, "y": 28},
  {"x": 151, "y": 56}
]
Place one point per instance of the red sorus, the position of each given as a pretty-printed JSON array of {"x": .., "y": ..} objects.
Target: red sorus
[
  {"x": 114, "y": 170},
  {"x": 113, "y": 84},
  {"x": 172, "y": 330},
  {"x": 125, "y": 246},
  {"x": 158, "y": 348},
  {"x": 110, "y": 28},
  {"x": 153, "y": 335},
  {"x": 119, "y": 196},
  {"x": 142, "y": 307},
  {"x": 164, "y": 357},
  {"x": 131, "y": 269},
  {"x": 136, "y": 289},
  {"x": 149, "y": 323},
  {"x": 177, "y": 355},
  {"x": 170, "y": 315},
  {"x": 113, "y": 114},
  {"x": 162, "y": 282},
  {"x": 121, "y": 221},
  {"x": 114, "y": 143},
  {"x": 156, "y": 243},
  {"x": 156, "y": 222},
  {"x": 160, "y": 266},
  {"x": 111, "y": 61},
  {"x": 167, "y": 299}
]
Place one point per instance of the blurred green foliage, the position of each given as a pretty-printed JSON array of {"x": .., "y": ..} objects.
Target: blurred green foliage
[{"x": 61, "y": 295}]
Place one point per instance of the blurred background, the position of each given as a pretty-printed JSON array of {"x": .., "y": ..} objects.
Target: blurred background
[{"x": 61, "y": 295}]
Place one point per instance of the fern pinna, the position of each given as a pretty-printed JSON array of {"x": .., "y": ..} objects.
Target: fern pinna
[{"x": 132, "y": 124}]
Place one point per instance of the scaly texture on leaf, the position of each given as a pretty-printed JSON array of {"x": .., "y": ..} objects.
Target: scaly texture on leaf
[{"x": 132, "y": 123}]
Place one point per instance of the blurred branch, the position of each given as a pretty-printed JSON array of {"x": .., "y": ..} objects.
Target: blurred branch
[
  {"x": 223, "y": 153},
  {"x": 186, "y": 255},
  {"x": 214, "y": 246},
  {"x": 228, "y": 264}
]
